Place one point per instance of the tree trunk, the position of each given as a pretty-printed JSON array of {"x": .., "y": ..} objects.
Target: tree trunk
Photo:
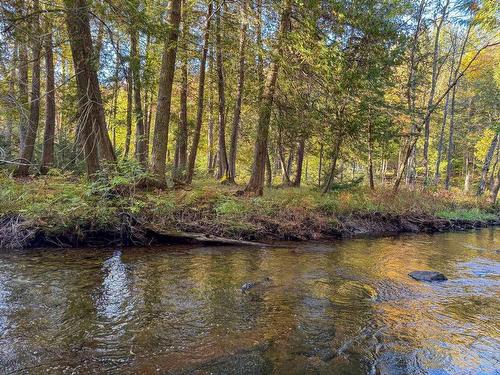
[
  {"x": 333, "y": 167},
  {"x": 435, "y": 76},
  {"x": 451, "y": 141},
  {"x": 94, "y": 137},
  {"x": 320, "y": 164},
  {"x": 370, "y": 156},
  {"x": 181, "y": 140},
  {"x": 494, "y": 190},
  {"x": 130, "y": 95},
  {"x": 160, "y": 137},
  {"x": 140, "y": 134},
  {"x": 23, "y": 96},
  {"x": 486, "y": 164},
  {"x": 201, "y": 91},
  {"x": 269, "y": 177},
  {"x": 27, "y": 151},
  {"x": 50, "y": 106},
  {"x": 469, "y": 161},
  {"x": 239, "y": 95},
  {"x": 256, "y": 183},
  {"x": 300, "y": 161},
  {"x": 222, "y": 161},
  {"x": 437, "y": 174}
]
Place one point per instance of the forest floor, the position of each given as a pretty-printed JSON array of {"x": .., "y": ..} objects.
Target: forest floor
[{"x": 64, "y": 211}]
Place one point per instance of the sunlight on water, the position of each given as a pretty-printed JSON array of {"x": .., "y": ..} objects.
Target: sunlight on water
[{"x": 344, "y": 308}]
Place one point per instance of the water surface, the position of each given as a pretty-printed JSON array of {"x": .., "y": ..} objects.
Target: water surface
[{"x": 347, "y": 307}]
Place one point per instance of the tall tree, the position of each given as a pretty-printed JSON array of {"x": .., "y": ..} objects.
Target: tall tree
[
  {"x": 182, "y": 131},
  {"x": 256, "y": 183},
  {"x": 201, "y": 92},
  {"x": 160, "y": 137},
  {"x": 28, "y": 148},
  {"x": 222, "y": 160},
  {"x": 239, "y": 95},
  {"x": 486, "y": 165},
  {"x": 91, "y": 127},
  {"x": 434, "y": 79},
  {"x": 50, "y": 105},
  {"x": 135, "y": 67}
]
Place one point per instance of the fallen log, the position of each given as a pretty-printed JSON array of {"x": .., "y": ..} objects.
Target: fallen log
[{"x": 192, "y": 238}]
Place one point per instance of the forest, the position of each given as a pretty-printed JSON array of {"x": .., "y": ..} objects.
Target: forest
[{"x": 249, "y": 117}]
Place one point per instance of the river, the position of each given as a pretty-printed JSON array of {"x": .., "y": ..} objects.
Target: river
[{"x": 346, "y": 307}]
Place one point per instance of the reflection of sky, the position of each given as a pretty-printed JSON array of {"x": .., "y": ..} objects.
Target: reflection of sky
[{"x": 115, "y": 291}]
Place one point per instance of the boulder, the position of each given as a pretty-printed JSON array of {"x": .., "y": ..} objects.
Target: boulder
[{"x": 428, "y": 276}]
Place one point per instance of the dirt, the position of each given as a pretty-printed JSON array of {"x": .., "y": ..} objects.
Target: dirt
[{"x": 15, "y": 232}]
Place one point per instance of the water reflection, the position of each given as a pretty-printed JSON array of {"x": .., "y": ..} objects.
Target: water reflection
[{"x": 347, "y": 307}]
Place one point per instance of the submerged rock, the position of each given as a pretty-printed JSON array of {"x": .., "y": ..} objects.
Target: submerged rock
[
  {"x": 250, "y": 285},
  {"x": 427, "y": 276}
]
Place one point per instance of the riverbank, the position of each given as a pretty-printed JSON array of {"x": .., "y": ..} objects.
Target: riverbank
[{"x": 63, "y": 211}]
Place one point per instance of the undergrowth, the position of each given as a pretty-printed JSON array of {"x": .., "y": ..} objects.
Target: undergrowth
[{"x": 61, "y": 201}]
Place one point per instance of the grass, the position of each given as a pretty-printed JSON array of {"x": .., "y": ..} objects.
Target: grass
[{"x": 60, "y": 202}]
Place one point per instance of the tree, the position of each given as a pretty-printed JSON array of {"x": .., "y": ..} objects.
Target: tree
[
  {"x": 28, "y": 147},
  {"x": 92, "y": 131},
  {"x": 50, "y": 105},
  {"x": 160, "y": 137},
  {"x": 201, "y": 93},
  {"x": 239, "y": 95},
  {"x": 256, "y": 183}
]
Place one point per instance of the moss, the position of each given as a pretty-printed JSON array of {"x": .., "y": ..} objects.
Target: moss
[{"x": 474, "y": 214}]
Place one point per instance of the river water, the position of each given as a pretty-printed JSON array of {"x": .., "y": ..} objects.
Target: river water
[{"x": 345, "y": 307}]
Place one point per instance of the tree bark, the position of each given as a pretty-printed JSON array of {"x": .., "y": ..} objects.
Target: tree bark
[
  {"x": 50, "y": 106},
  {"x": 140, "y": 134},
  {"x": 181, "y": 140},
  {"x": 256, "y": 183},
  {"x": 130, "y": 96},
  {"x": 23, "y": 96},
  {"x": 486, "y": 164},
  {"x": 160, "y": 137},
  {"x": 94, "y": 137},
  {"x": 300, "y": 161},
  {"x": 239, "y": 94},
  {"x": 27, "y": 151},
  {"x": 333, "y": 167},
  {"x": 370, "y": 156},
  {"x": 201, "y": 91},
  {"x": 320, "y": 164},
  {"x": 222, "y": 161}
]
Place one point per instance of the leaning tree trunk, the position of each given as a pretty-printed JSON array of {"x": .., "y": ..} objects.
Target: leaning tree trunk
[
  {"x": 239, "y": 95},
  {"x": 160, "y": 137},
  {"x": 222, "y": 161},
  {"x": 201, "y": 90},
  {"x": 256, "y": 183},
  {"x": 486, "y": 164},
  {"x": 28, "y": 149},
  {"x": 50, "y": 106},
  {"x": 140, "y": 134}
]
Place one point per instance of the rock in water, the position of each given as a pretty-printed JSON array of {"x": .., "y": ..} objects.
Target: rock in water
[
  {"x": 247, "y": 286},
  {"x": 427, "y": 276}
]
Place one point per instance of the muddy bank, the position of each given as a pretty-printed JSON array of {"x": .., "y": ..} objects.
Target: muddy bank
[{"x": 16, "y": 232}]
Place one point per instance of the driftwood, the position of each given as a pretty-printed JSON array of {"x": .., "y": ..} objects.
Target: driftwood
[{"x": 162, "y": 236}]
